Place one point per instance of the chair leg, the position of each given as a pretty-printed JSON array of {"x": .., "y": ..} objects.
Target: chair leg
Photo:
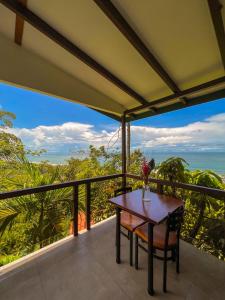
[
  {"x": 173, "y": 254},
  {"x": 136, "y": 252},
  {"x": 165, "y": 271},
  {"x": 178, "y": 258},
  {"x": 131, "y": 248}
]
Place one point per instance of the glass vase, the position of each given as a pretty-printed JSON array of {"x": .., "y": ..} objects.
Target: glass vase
[{"x": 146, "y": 193}]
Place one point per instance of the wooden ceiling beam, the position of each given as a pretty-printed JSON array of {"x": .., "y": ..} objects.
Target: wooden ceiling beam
[
  {"x": 119, "y": 21},
  {"x": 215, "y": 8},
  {"x": 19, "y": 25},
  {"x": 176, "y": 106},
  {"x": 54, "y": 35},
  {"x": 183, "y": 93}
]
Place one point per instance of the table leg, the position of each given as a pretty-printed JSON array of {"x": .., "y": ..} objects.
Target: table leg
[
  {"x": 150, "y": 259},
  {"x": 118, "y": 235}
]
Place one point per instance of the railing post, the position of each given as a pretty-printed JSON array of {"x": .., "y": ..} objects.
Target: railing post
[
  {"x": 159, "y": 188},
  {"x": 75, "y": 209},
  {"x": 124, "y": 158},
  {"x": 88, "y": 206},
  {"x": 128, "y": 146}
]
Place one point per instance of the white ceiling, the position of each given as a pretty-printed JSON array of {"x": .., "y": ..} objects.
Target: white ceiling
[{"x": 179, "y": 33}]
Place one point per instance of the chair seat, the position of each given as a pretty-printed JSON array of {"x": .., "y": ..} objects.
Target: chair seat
[
  {"x": 159, "y": 235},
  {"x": 129, "y": 221}
]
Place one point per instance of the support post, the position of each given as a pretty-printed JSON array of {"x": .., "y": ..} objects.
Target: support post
[
  {"x": 128, "y": 146},
  {"x": 75, "y": 210},
  {"x": 88, "y": 206},
  {"x": 124, "y": 162}
]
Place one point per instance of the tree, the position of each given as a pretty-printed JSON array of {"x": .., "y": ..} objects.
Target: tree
[
  {"x": 6, "y": 119},
  {"x": 174, "y": 170},
  {"x": 11, "y": 147},
  {"x": 200, "y": 201},
  {"x": 46, "y": 210}
]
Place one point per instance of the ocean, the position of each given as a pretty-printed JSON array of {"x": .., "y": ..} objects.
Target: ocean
[
  {"x": 197, "y": 160},
  {"x": 214, "y": 161}
]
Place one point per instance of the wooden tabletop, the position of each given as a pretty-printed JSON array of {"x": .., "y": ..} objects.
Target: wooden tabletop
[{"x": 154, "y": 211}]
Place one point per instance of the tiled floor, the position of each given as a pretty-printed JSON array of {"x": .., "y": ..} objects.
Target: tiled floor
[{"x": 84, "y": 268}]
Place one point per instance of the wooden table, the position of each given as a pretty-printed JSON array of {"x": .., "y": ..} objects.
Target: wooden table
[{"x": 153, "y": 212}]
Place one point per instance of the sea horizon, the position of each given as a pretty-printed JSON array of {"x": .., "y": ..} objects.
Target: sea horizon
[{"x": 214, "y": 161}]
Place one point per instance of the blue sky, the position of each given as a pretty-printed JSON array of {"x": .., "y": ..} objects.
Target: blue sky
[
  {"x": 60, "y": 126},
  {"x": 33, "y": 109},
  {"x": 185, "y": 116}
]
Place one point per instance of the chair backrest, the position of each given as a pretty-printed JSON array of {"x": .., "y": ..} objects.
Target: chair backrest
[
  {"x": 174, "y": 222},
  {"x": 122, "y": 191}
]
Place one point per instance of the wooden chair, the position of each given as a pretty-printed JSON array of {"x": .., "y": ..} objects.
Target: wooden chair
[
  {"x": 128, "y": 221},
  {"x": 166, "y": 238}
]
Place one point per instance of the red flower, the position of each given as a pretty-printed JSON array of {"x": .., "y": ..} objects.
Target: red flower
[{"x": 146, "y": 169}]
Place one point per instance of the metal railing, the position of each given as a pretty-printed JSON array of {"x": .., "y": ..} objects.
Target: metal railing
[
  {"x": 215, "y": 193},
  {"x": 88, "y": 197},
  {"x": 75, "y": 195}
]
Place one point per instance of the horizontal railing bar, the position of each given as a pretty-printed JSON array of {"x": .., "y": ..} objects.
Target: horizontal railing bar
[
  {"x": 215, "y": 193},
  {"x": 55, "y": 186}
]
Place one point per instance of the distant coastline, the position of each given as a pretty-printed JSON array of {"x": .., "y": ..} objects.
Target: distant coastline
[{"x": 214, "y": 161}]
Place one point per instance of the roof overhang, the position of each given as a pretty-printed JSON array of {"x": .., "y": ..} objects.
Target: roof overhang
[{"x": 141, "y": 58}]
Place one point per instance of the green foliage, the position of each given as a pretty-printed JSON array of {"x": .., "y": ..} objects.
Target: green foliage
[
  {"x": 46, "y": 212},
  {"x": 207, "y": 178},
  {"x": 173, "y": 169},
  {"x": 4, "y": 260},
  {"x": 11, "y": 148},
  {"x": 203, "y": 205},
  {"x": 28, "y": 223},
  {"x": 6, "y": 119}
]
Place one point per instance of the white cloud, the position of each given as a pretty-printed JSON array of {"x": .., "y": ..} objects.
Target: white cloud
[
  {"x": 199, "y": 136},
  {"x": 62, "y": 137}
]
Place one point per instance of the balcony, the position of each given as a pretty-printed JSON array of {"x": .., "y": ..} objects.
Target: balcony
[
  {"x": 85, "y": 268},
  {"x": 127, "y": 79}
]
